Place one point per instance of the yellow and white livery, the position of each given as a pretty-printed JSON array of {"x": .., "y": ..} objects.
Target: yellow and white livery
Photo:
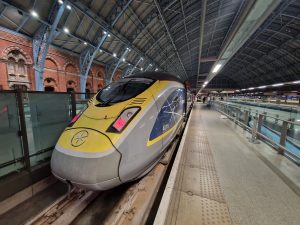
[{"x": 122, "y": 133}]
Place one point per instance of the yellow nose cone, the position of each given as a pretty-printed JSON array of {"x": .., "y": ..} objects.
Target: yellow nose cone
[{"x": 84, "y": 140}]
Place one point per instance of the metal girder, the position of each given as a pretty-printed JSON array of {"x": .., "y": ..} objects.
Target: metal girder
[
  {"x": 127, "y": 71},
  {"x": 87, "y": 56},
  {"x": 186, "y": 31},
  {"x": 203, "y": 13},
  {"x": 105, "y": 26},
  {"x": 170, "y": 35},
  {"x": 41, "y": 42},
  {"x": 134, "y": 67},
  {"x": 24, "y": 21},
  {"x": 114, "y": 66}
]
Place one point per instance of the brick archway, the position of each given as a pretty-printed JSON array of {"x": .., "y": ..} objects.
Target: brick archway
[{"x": 6, "y": 51}]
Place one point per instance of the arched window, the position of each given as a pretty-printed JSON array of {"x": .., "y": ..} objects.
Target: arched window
[
  {"x": 21, "y": 68},
  {"x": 11, "y": 66},
  {"x": 70, "y": 68},
  {"x": 17, "y": 70}
]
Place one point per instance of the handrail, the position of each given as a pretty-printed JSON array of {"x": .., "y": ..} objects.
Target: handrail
[
  {"x": 281, "y": 148},
  {"x": 289, "y": 121}
]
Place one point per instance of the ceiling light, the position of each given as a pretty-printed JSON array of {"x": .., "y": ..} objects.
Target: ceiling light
[
  {"x": 34, "y": 14},
  {"x": 150, "y": 64},
  {"x": 156, "y": 69},
  {"x": 100, "y": 50},
  {"x": 114, "y": 55},
  {"x": 261, "y": 87},
  {"x": 277, "y": 85},
  {"x": 237, "y": 90},
  {"x": 85, "y": 43},
  {"x": 142, "y": 69},
  {"x": 66, "y": 30},
  {"x": 296, "y": 82},
  {"x": 123, "y": 59},
  {"x": 128, "y": 49},
  {"x": 108, "y": 35},
  {"x": 60, "y": 2},
  {"x": 142, "y": 58},
  {"x": 104, "y": 32},
  {"x": 217, "y": 68},
  {"x": 243, "y": 89},
  {"x": 251, "y": 88},
  {"x": 69, "y": 7}
]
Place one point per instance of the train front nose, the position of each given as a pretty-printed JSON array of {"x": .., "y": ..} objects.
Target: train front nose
[{"x": 87, "y": 159}]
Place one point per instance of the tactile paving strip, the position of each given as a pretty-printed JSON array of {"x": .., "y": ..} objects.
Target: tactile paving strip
[{"x": 201, "y": 200}]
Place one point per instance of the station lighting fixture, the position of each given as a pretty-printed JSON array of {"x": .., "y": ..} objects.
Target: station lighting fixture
[
  {"x": 34, "y": 14},
  {"x": 217, "y": 68},
  {"x": 243, "y": 89},
  {"x": 156, "y": 69},
  {"x": 104, "y": 32},
  {"x": 261, "y": 87},
  {"x": 100, "y": 50},
  {"x": 296, "y": 82},
  {"x": 251, "y": 88},
  {"x": 114, "y": 55},
  {"x": 69, "y": 7},
  {"x": 128, "y": 49},
  {"x": 142, "y": 58},
  {"x": 142, "y": 69},
  {"x": 150, "y": 64},
  {"x": 60, "y": 2},
  {"x": 66, "y": 30},
  {"x": 108, "y": 35},
  {"x": 123, "y": 59},
  {"x": 277, "y": 85},
  {"x": 85, "y": 43}
]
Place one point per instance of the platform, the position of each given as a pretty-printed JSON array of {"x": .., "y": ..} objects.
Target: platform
[{"x": 219, "y": 177}]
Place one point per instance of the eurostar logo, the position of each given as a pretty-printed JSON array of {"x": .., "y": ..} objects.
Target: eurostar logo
[{"x": 79, "y": 138}]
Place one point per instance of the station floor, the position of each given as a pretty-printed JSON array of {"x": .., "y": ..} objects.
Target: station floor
[{"x": 225, "y": 179}]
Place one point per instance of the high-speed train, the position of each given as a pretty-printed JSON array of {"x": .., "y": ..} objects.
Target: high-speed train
[{"x": 122, "y": 133}]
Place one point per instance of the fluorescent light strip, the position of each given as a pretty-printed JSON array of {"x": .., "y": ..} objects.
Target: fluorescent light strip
[
  {"x": 277, "y": 85},
  {"x": 217, "y": 68},
  {"x": 261, "y": 87}
]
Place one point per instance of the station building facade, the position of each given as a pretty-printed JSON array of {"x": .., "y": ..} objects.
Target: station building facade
[{"x": 61, "y": 72}]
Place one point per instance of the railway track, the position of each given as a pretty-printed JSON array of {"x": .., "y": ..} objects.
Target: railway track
[{"x": 128, "y": 204}]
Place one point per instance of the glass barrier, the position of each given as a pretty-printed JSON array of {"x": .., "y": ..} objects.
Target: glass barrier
[
  {"x": 48, "y": 115},
  {"x": 293, "y": 140},
  {"x": 280, "y": 126},
  {"x": 11, "y": 152}
]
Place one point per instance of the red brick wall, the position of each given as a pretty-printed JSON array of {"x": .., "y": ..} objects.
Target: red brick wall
[{"x": 59, "y": 66}]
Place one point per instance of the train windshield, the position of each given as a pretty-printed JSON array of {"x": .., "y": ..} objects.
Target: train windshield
[{"x": 123, "y": 90}]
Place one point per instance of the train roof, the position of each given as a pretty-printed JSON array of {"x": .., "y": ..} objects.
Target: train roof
[{"x": 157, "y": 76}]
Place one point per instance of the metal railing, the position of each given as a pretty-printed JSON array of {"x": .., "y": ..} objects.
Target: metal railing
[
  {"x": 30, "y": 124},
  {"x": 280, "y": 133}
]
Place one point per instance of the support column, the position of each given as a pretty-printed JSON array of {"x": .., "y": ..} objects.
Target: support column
[
  {"x": 114, "y": 66},
  {"x": 41, "y": 42}
]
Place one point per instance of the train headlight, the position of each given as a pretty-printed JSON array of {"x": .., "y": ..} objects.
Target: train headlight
[{"x": 123, "y": 119}]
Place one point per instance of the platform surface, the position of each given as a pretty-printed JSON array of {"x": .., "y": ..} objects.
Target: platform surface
[{"x": 224, "y": 179}]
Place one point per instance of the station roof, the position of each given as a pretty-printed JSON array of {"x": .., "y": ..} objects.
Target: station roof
[{"x": 184, "y": 37}]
